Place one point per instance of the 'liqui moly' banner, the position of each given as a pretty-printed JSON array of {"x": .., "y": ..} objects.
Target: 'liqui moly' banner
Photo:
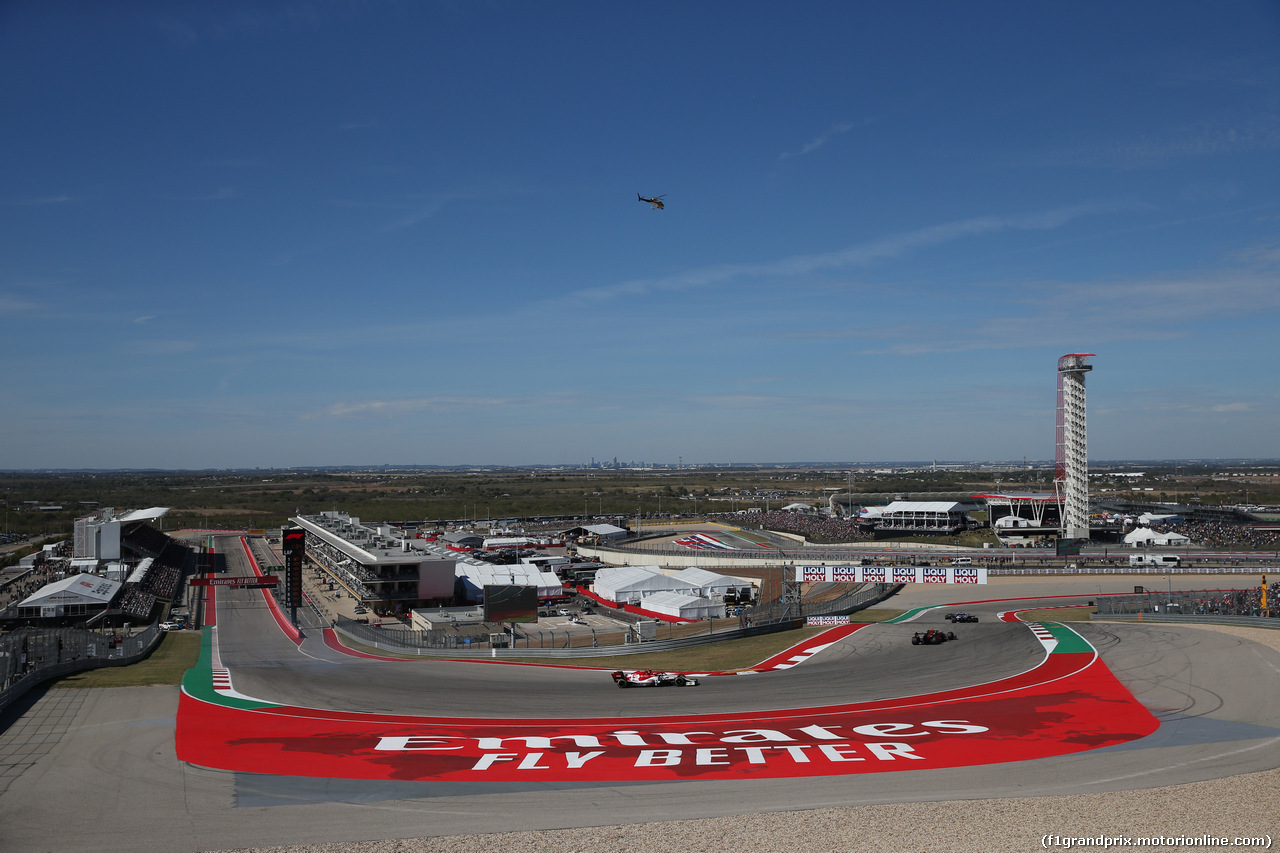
[{"x": 891, "y": 574}]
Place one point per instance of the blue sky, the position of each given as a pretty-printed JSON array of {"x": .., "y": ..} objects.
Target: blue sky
[{"x": 326, "y": 233}]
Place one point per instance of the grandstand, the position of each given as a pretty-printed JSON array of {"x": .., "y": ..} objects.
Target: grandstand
[
  {"x": 942, "y": 518},
  {"x": 77, "y": 594}
]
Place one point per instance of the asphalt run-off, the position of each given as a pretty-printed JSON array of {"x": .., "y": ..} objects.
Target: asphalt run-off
[{"x": 1066, "y": 703}]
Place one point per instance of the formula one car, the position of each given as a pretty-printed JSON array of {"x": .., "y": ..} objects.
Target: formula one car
[
  {"x": 652, "y": 678},
  {"x": 961, "y": 617},
  {"x": 932, "y": 637}
]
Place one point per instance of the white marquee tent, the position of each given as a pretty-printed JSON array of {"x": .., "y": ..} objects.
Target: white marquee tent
[
  {"x": 683, "y": 606},
  {"x": 712, "y": 585},
  {"x": 634, "y": 584},
  {"x": 73, "y": 594},
  {"x": 1147, "y": 536}
]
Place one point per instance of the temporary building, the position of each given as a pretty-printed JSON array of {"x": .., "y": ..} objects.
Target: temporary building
[
  {"x": 72, "y": 596},
  {"x": 462, "y": 539},
  {"x": 712, "y": 585},
  {"x": 475, "y": 576},
  {"x": 634, "y": 584},
  {"x": 603, "y": 532},
  {"x": 1147, "y": 536},
  {"x": 682, "y": 606}
]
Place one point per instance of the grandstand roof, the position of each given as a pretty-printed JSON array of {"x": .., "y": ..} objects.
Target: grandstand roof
[
  {"x": 151, "y": 514},
  {"x": 140, "y": 571},
  {"x": 604, "y": 529},
  {"x": 1020, "y": 496},
  {"x": 924, "y": 506}
]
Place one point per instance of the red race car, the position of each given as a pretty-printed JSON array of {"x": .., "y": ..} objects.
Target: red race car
[
  {"x": 652, "y": 678},
  {"x": 932, "y": 637}
]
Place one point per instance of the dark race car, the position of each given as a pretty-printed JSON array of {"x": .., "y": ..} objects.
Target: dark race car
[
  {"x": 652, "y": 678},
  {"x": 961, "y": 617},
  {"x": 932, "y": 637}
]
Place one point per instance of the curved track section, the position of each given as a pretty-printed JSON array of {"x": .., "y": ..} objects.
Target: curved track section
[
  {"x": 1001, "y": 693},
  {"x": 1211, "y": 702}
]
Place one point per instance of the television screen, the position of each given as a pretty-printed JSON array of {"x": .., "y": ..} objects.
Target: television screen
[{"x": 510, "y": 603}]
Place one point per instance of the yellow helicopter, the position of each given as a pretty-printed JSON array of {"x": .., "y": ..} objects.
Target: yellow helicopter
[{"x": 656, "y": 201}]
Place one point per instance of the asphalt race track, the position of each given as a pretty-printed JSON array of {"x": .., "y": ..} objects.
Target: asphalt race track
[{"x": 113, "y": 780}]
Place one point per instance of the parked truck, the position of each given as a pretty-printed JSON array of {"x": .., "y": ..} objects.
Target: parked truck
[{"x": 1158, "y": 560}]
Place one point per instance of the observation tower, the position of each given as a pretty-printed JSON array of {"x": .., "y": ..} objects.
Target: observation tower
[{"x": 1071, "y": 468}]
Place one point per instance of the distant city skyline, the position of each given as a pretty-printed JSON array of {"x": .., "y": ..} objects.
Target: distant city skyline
[
  {"x": 1104, "y": 466},
  {"x": 335, "y": 234}
]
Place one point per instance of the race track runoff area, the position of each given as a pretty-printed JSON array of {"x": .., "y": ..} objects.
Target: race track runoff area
[{"x": 1069, "y": 702}]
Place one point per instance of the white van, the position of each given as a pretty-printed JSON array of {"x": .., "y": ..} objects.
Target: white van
[{"x": 962, "y": 561}]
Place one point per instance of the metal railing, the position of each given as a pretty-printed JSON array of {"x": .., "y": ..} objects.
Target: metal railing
[
  {"x": 1241, "y": 621},
  {"x": 29, "y": 656},
  {"x": 532, "y": 642},
  {"x": 1185, "y": 602}
]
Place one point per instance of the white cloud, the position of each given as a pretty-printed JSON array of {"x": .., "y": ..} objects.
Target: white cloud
[
  {"x": 13, "y": 304},
  {"x": 862, "y": 254},
  {"x": 822, "y": 139},
  {"x": 398, "y": 408},
  {"x": 1054, "y": 313},
  {"x": 160, "y": 347},
  {"x": 1176, "y": 144}
]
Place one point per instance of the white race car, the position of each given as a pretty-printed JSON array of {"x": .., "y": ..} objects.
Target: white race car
[{"x": 652, "y": 678}]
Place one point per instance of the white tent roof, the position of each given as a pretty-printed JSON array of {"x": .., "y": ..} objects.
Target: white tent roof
[
  {"x": 478, "y": 575},
  {"x": 710, "y": 581},
  {"x": 1146, "y": 534},
  {"x": 683, "y": 606},
  {"x": 797, "y": 507},
  {"x": 76, "y": 589},
  {"x": 618, "y": 582},
  {"x": 924, "y": 506}
]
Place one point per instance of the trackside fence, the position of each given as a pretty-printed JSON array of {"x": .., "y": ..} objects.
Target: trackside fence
[
  {"x": 533, "y": 642},
  {"x": 29, "y": 656},
  {"x": 1187, "y": 602},
  {"x": 1242, "y": 621}
]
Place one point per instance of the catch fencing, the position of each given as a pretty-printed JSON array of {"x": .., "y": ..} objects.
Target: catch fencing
[
  {"x": 1240, "y": 621},
  {"x": 541, "y": 642},
  {"x": 29, "y": 656},
  {"x": 1186, "y": 602}
]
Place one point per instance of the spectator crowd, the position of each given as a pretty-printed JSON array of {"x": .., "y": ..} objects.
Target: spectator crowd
[{"x": 813, "y": 527}]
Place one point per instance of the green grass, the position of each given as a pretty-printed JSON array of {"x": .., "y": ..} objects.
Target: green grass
[
  {"x": 876, "y": 614},
  {"x": 176, "y": 654}
]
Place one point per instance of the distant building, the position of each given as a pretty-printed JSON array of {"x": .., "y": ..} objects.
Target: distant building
[{"x": 917, "y": 517}]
